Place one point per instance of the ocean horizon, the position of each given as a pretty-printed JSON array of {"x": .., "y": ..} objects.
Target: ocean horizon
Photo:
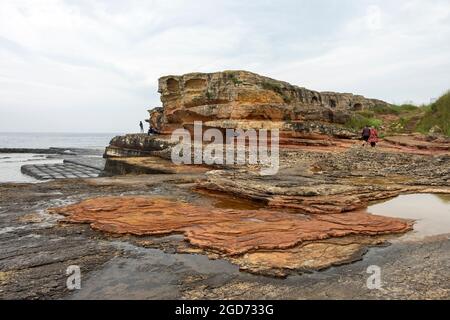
[{"x": 87, "y": 140}]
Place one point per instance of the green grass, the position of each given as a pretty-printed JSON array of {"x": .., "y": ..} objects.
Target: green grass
[
  {"x": 437, "y": 114},
  {"x": 396, "y": 109},
  {"x": 359, "y": 121},
  {"x": 372, "y": 117},
  {"x": 410, "y": 118},
  {"x": 366, "y": 113}
]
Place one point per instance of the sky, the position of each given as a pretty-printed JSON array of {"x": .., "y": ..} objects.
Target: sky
[{"x": 93, "y": 66}]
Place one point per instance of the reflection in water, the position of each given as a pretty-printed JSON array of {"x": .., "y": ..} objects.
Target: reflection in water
[
  {"x": 431, "y": 212},
  {"x": 152, "y": 274},
  {"x": 144, "y": 273},
  {"x": 225, "y": 201}
]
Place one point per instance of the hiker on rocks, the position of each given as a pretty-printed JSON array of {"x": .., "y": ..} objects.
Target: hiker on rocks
[
  {"x": 152, "y": 130},
  {"x": 141, "y": 125},
  {"x": 373, "y": 138},
  {"x": 365, "y": 134}
]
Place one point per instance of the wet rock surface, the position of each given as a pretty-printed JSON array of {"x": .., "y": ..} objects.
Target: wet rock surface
[
  {"x": 96, "y": 163},
  {"x": 60, "y": 171},
  {"x": 166, "y": 231},
  {"x": 329, "y": 182},
  {"x": 36, "y": 250},
  {"x": 307, "y": 217},
  {"x": 408, "y": 271},
  {"x": 257, "y": 234},
  {"x": 37, "y": 247},
  {"x": 151, "y": 274}
]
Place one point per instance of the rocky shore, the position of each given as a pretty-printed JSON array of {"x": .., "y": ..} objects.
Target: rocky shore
[
  {"x": 37, "y": 246},
  {"x": 227, "y": 231}
]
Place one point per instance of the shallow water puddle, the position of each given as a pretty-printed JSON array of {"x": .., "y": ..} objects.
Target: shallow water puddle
[
  {"x": 430, "y": 211},
  {"x": 152, "y": 274}
]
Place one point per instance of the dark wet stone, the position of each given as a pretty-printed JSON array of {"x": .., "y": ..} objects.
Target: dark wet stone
[{"x": 60, "y": 171}]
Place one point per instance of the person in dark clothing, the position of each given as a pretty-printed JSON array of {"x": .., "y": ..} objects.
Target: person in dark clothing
[
  {"x": 141, "y": 125},
  {"x": 152, "y": 130},
  {"x": 365, "y": 134}
]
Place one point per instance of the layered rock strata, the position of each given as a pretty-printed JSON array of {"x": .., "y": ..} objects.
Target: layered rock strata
[
  {"x": 313, "y": 209},
  {"x": 245, "y": 100},
  {"x": 132, "y": 145},
  {"x": 327, "y": 182},
  {"x": 255, "y": 238},
  {"x": 233, "y": 98}
]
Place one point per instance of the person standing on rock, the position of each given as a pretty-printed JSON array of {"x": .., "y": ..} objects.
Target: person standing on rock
[
  {"x": 141, "y": 125},
  {"x": 151, "y": 130},
  {"x": 373, "y": 137},
  {"x": 365, "y": 134}
]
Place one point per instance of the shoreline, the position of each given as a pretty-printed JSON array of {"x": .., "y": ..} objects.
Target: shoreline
[
  {"x": 151, "y": 263},
  {"x": 221, "y": 232},
  {"x": 56, "y": 151}
]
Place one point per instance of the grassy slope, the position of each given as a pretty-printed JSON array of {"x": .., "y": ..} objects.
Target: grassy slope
[
  {"x": 406, "y": 118},
  {"x": 437, "y": 115}
]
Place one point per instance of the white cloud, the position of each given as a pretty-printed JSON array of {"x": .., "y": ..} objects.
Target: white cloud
[
  {"x": 94, "y": 65},
  {"x": 373, "y": 18}
]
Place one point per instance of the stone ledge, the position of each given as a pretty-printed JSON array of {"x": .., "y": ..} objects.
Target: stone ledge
[{"x": 60, "y": 171}]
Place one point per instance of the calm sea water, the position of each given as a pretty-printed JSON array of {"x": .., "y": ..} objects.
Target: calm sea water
[
  {"x": 10, "y": 163},
  {"x": 58, "y": 140}
]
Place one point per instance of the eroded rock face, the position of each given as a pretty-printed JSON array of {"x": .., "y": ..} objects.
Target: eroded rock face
[
  {"x": 149, "y": 165},
  {"x": 242, "y": 95},
  {"x": 132, "y": 145},
  {"x": 156, "y": 119},
  {"x": 260, "y": 238}
]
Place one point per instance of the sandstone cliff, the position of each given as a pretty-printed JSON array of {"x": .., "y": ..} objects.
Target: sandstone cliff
[{"x": 241, "y": 99}]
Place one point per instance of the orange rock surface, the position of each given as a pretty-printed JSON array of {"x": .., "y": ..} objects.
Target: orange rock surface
[
  {"x": 310, "y": 255},
  {"x": 226, "y": 231}
]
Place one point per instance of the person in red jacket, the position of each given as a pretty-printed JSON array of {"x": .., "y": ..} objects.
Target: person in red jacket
[{"x": 373, "y": 138}]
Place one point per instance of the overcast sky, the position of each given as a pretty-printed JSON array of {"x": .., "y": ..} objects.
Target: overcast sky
[{"x": 92, "y": 66}]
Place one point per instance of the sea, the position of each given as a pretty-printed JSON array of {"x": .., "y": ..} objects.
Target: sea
[{"x": 10, "y": 163}]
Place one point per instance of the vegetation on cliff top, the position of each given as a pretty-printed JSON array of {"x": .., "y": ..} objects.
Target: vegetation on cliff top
[
  {"x": 406, "y": 118},
  {"x": 438, "y": 114}
]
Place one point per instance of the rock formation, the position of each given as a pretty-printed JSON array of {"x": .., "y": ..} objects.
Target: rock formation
[
  {"x": 330, "y": 183},
  {"x": 314, "y": 208},
  {"x": 242, "y": 99},
  {"x": 256, "y": 238},
  {"x": 132, "y": 145}
]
